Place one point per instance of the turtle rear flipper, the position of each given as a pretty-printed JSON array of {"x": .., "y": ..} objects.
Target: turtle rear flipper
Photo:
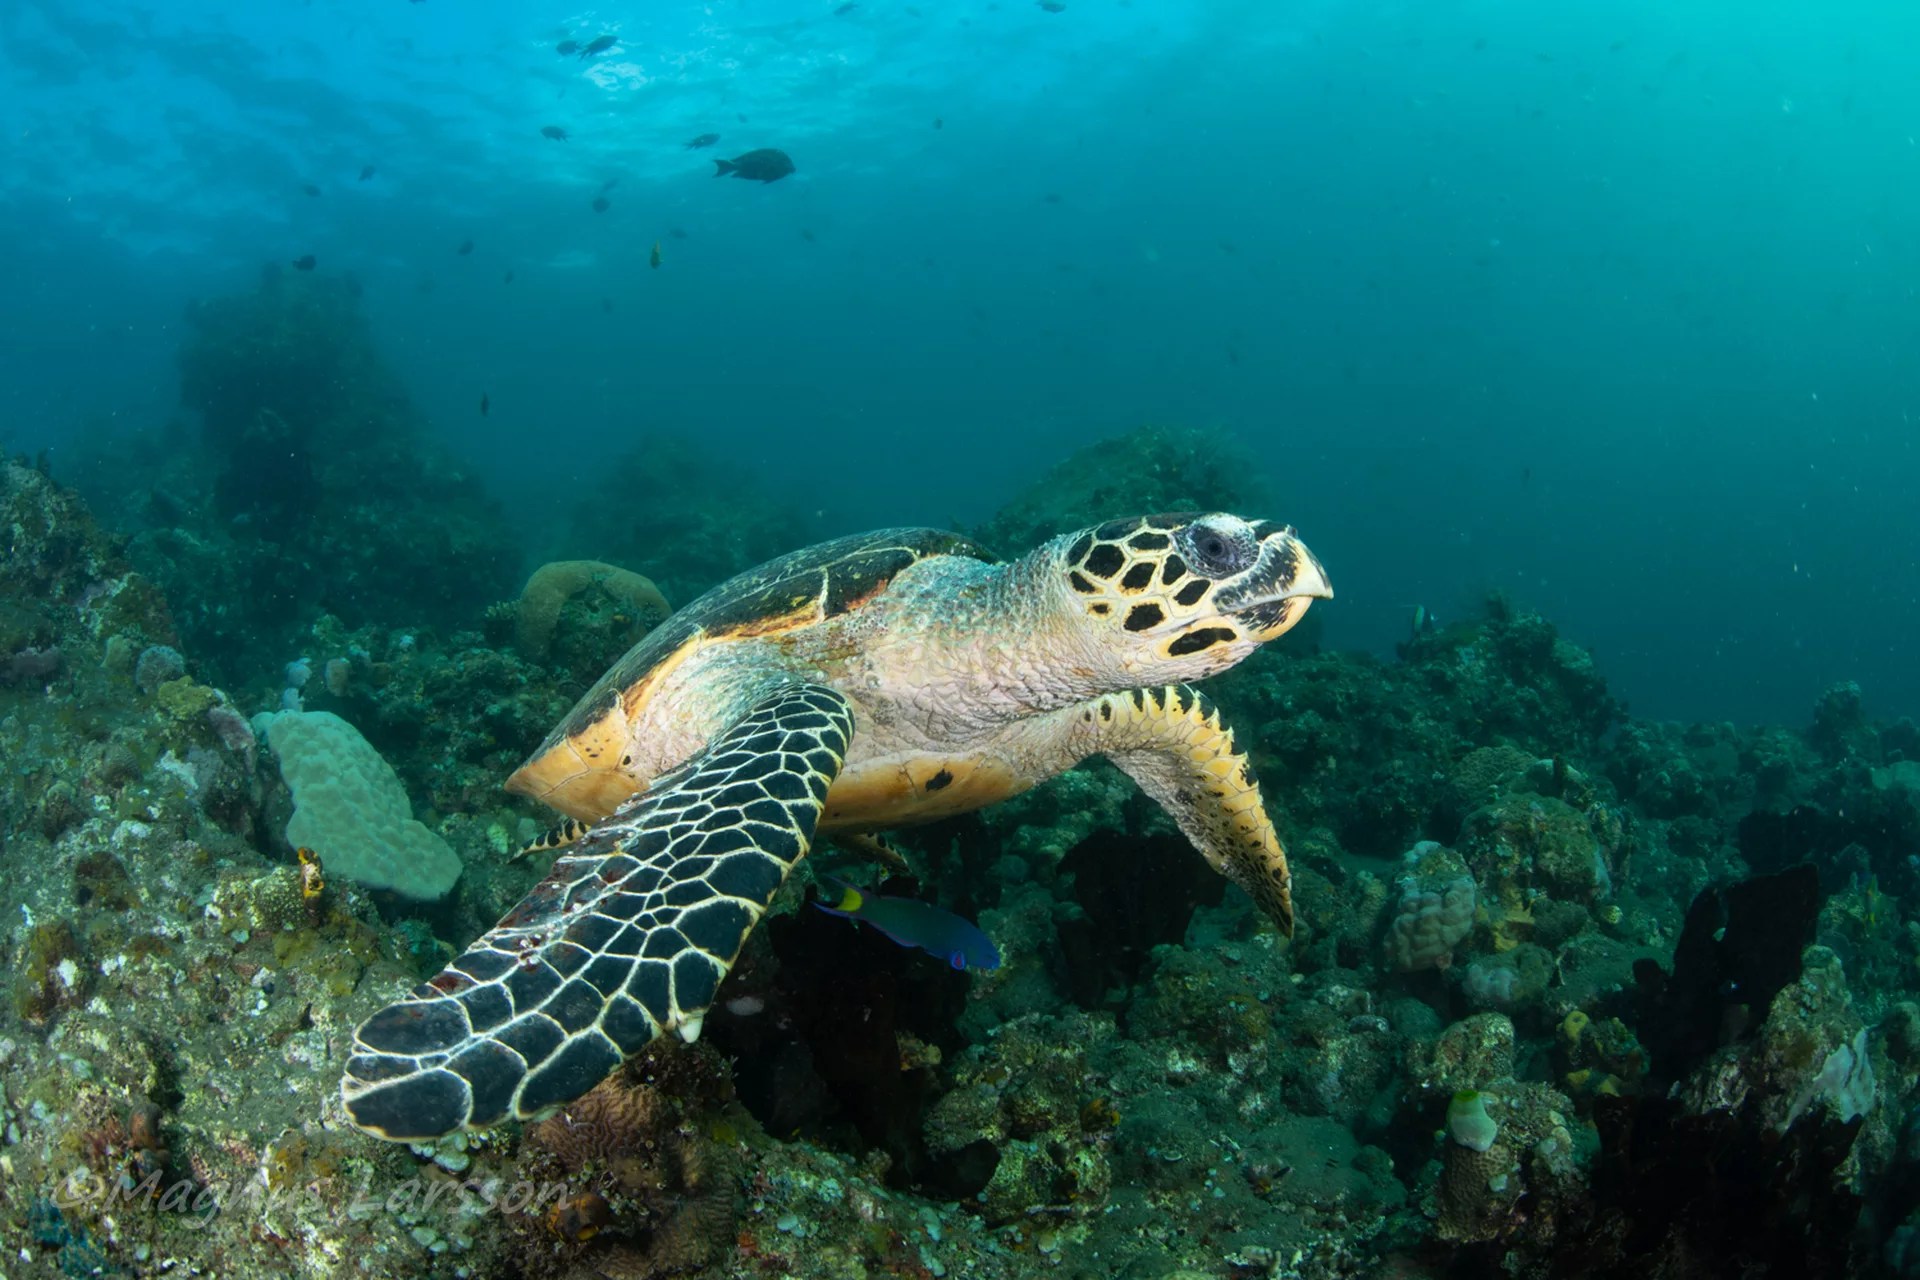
[{"x": 627, "y": 937}]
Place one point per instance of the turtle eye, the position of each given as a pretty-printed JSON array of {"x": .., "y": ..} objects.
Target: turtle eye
[{"x": 1214, "y": 553}]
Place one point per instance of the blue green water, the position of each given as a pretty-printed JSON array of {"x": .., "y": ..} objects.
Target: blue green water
[{"x": 1610, "y": 306}]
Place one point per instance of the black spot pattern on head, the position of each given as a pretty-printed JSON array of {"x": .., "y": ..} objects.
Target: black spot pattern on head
[
  {"x": 1078, "y": 551},
  {"x": 1173, "y": 570},
  {"x": 1114, "y": 530},
  {"x": 1191, "y": 593},
  {"x": 1144, "y": 616},
  {"x": 1104, "y": 560},
  {"x": 1146, "y": 540},
  {"x": 1099, "y": 609},
  {"x": 1137, "y": 577},
  {"x": 1080, "y": 583},
  {"x": 1195, "y": 641}
]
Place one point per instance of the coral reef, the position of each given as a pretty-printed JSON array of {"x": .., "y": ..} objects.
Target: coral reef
[
  {"x": 1570, "y": 994},
  {"x": 312, "y": 485}
]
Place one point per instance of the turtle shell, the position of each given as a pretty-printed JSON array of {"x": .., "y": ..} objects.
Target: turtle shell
[{"x": 798, "y": 590}]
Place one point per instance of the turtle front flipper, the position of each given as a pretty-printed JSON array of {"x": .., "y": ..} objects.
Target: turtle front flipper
[
  {"x": 1172, "y": 743},
  {"x": 627, "y": 937}
]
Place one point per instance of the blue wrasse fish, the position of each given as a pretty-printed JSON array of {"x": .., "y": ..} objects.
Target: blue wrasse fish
[{"x": 913, "y": 923}]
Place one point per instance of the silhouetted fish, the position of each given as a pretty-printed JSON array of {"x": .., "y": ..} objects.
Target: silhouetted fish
[
  {"x": 600, "y": 45},
  {"x": 483, "y": 404},
  {"x": 466, "y": 247},
  {"x": 310, "y": 189},
  {"x": 601, "y": 204},
  {"x": 508, "y": 278},
  {"x": 606, "y": 305},
  {"x": 1051, "y": 6},
  {"x": 677, "y": 234},
  {"x": 366, "y": 171},
  {"x": 653, "y": 259},
  {"x": 305, "y": 262},
  {"x": 763, "y": 165},
  {"x": 555, "y": 132},
  {"x": 845, "y": 9},
  {"x": 609, "y": 185},
  {"x": 704, "y": 140},
  {"x": 567, "y": 47}
]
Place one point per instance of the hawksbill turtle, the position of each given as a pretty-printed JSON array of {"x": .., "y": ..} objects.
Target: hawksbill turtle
[{"x": 870, "y": 682}]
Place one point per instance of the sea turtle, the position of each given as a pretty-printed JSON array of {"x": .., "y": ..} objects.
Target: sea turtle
[{"x": 870, "y": 682}]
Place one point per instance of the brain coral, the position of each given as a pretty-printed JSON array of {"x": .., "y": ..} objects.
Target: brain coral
[
  {"x": 552, "y": 585},
  {"x": 350, "y": 808}
]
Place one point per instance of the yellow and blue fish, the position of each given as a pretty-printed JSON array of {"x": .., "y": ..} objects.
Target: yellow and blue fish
[{"x": 913, "y": 923}]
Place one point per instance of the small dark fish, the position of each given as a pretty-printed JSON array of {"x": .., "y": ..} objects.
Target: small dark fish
[
  {"x": 806, "y": 235},
  {"x": 606, "y": 305},
  {"x": 845, "y": 9},
  {"x": 764, "y": 165},
  {"x": 466, "y": 247},
  {"x": 1051, "y": 6},
  {"x": 1052, "y": 197},
  {"x": 483, "y": 404},
  {"x": 555, "y": 132},
  {"x": 310, "y": 189},
  {"x": 601, "y": 204},
  {"x": 677, "y": 234},
  {"x": 653, "y": 259},
  {"x": 609, "y": 185},
  {"x": 600, "y": 45},
  {"x": 366, "y": 171},
  {"x": 566, "y": 48},
  {"x": 704, "y": 140},
  {"x": 508, "y": 278},
  {"x": 305, "y": 262},
  {"x": 938, "y": 123}
]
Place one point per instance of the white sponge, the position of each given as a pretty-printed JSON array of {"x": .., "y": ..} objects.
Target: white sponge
[{"x": 349, "y": 807}]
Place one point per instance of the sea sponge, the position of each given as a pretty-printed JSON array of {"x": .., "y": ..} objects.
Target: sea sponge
[
  {"x": 1468, "y": 1122},
  {"x": 350, "y": 808},
  {"x": 552, "y": 585}
]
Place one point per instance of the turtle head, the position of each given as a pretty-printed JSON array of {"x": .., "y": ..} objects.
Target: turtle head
[{"x": 1180, "y": 597}]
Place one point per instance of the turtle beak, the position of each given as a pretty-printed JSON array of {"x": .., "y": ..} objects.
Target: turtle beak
[{"x": 1274, "y": 593}]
